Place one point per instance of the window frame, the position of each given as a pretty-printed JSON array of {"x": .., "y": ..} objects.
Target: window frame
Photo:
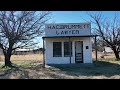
[
  {"x": 54, "y": 55},
  {"x": 70, "y": 54}
]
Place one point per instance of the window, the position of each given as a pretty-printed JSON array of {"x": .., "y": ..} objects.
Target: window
[
  {"x": 87, "y": 47},
  {"x": 57, "y": 49},
  {"x": 67, "y": 49}
]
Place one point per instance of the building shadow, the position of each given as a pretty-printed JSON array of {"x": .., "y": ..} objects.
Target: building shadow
[{"x": 98, "y": 68}]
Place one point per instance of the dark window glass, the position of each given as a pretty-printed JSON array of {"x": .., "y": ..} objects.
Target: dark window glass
[
  {"x": 67, "y": 49},
  {"x": 57, "y": 49}
]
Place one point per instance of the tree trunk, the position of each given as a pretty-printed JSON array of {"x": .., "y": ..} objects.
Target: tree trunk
[
  {"x": 7, "y": 60},
  {"x": 7, "y": 57},
  {"x": 116, "y": 54}
]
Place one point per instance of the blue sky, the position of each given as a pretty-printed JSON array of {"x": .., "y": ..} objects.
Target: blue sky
[{"x": 74, "y": 17}]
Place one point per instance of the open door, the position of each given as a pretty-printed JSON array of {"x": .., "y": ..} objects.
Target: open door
[{"x": 78, "y": 51}]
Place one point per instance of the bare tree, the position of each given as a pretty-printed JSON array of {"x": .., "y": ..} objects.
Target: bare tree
[
  {"x": 18, "y": 29},
  {"x": 108, "y": 30}
]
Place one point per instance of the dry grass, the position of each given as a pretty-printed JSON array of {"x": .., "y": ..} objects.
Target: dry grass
[
  {"x": 21, "y": 58},
  {"x": 104, "y": 56},
  {"x": 39, "y": 57}
]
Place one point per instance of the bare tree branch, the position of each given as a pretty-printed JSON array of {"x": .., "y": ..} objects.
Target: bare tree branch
[
  {"x": 18, "y": 29},
  {"x": 109, "y": 31}
]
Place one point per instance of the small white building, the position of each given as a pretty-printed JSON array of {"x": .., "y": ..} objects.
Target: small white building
[
  {"x": 67, "y": 43},
  {"x": 108, "y": 50}
]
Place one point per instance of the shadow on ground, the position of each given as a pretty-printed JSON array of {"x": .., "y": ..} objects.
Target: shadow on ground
[
  {"x": 36, "y": 71},
  {"x": 98, "y": 68},
  {"x": 29, "y": 71},
  {"x": 15, "y": 72}
]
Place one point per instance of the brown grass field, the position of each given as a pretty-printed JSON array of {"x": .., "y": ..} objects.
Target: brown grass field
[
  {"x": 106, "y": 56},
  {"x": 24, "y": 58},
  {"x": 39, "y": 57}
]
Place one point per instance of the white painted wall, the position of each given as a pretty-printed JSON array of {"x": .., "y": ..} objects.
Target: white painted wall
[{"x": 87, "y": 53}]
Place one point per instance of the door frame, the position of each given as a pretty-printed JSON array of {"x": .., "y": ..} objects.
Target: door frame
[{"x": 75, "y": 52}]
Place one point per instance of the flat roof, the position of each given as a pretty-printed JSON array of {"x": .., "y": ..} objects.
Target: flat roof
[{"x": 68, "y": 36}]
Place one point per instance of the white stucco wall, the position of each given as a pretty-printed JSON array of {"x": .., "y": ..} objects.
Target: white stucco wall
[{"x": 87, "y": 53}]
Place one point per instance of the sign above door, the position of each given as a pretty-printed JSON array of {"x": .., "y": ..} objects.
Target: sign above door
[{"x": 68, "y": 29}]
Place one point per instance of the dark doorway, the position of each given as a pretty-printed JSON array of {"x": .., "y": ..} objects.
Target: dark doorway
[{"x": 78, "y": 51}]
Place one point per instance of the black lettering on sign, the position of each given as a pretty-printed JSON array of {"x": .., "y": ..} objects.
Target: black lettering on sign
[
  {"x": 49, "y": 27},
  {"x": 88, "y": 25},
  {"x": 62, "y": 32},
  {"x": 73, "y": 26},
  {"x": 53, "y": 27},
  {"x": 73, "y": 31},
  {"x": 57, "y": 33},
  {"x": 69, "y": 32},
  {"x": 63, "y": 26},
  {"x": 77, "y": 31},
  {"x": 80, "y": 26},
  {"x": 57, "y": 27},
  {"x": 84, "y": 26},
  {"x": 66, "y": 32}
]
